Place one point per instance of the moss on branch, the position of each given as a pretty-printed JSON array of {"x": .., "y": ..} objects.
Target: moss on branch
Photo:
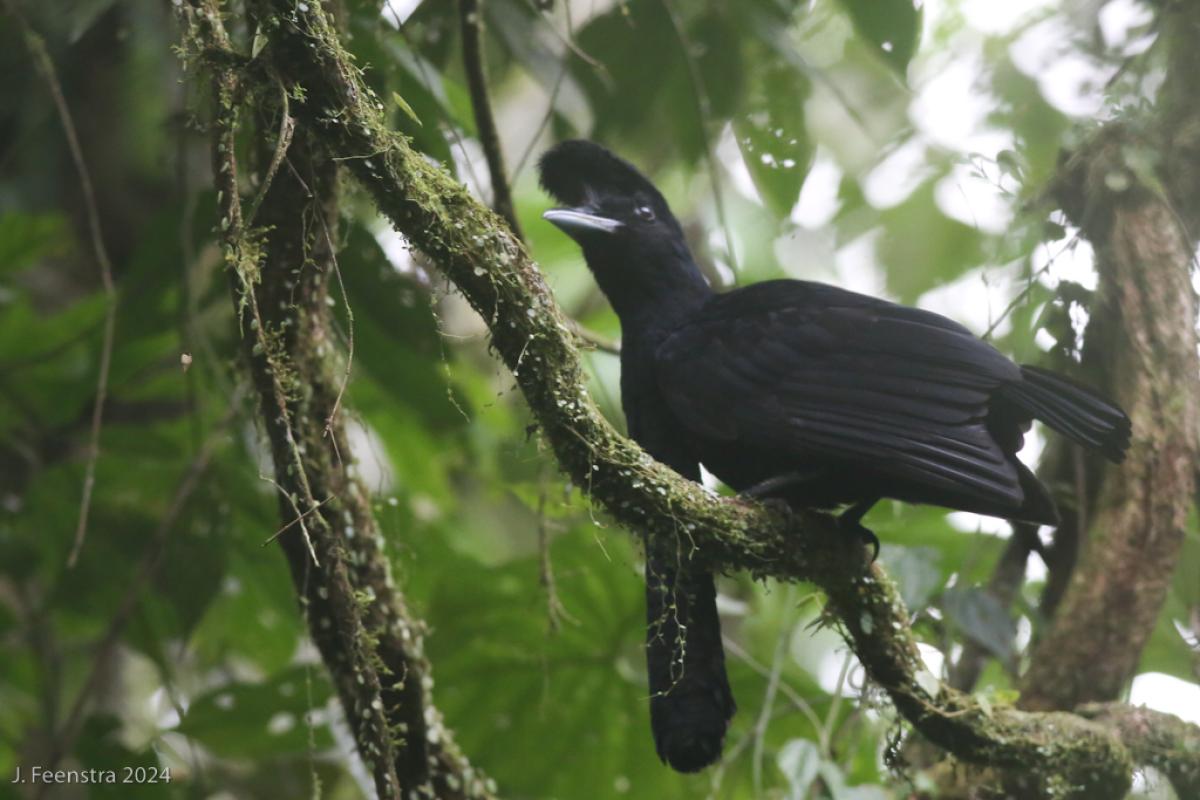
[
  {"x": 279, "y": 275},
  {"x": 1158, "y": 740}
]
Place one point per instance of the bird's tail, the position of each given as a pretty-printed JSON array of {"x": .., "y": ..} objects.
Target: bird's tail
[
  {"x": 1075, "y": 411},
  {"x": 690, "y": 699}
]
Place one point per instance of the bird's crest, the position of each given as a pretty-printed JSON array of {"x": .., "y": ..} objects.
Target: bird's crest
[{"x": 576, "y": 170}]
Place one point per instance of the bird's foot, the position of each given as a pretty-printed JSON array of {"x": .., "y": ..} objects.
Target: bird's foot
[
  {"x": 850, "y": 521},
  {"x": 851, "y": 525},
  {"x": 777, "y": 504}
]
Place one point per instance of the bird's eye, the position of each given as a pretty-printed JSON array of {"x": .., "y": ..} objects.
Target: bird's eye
[{"x": 644, "y": 213}]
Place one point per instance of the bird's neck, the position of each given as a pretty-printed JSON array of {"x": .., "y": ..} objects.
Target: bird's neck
[{"x": 656, "y": 296}]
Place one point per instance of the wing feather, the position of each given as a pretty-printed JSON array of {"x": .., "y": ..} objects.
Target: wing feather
[{"x": 836, "y": 375}]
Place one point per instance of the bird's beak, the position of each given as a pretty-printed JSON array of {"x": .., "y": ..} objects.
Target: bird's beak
[{"x": 574, "y": 222}]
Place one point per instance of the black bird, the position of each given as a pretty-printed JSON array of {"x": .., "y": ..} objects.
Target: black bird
[{"x": 801, "y": 391}]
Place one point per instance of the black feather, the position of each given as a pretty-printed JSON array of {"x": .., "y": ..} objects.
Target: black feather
[
  {"x": 576, "y": 170},
  {"x": 1072, "y": 410}
]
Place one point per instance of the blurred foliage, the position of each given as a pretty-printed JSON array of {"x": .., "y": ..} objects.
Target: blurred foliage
[{"x": 792, "y": 138}]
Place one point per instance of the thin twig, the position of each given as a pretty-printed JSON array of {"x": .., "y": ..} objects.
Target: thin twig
[
  {"x": 573, "y": 46},
  {"x": 598, "y": 341},
  {"x": 287, "y": 127},
  {"x": 45, "y": 67},
  {"x": 541, "y": 127},
  {"x": 555, "y": 610},
  {"x": 835, "y": 701},
  {"x": 337, "y": 401},
  {"x": 556, "y": 88},
  {"x": 471, "y": 25},
  {"x": 803, "y": 706},
  {"x": 298, "y": 519},
  {"x": 768, "y": 704},
  {"x": 1029, "y": 284}
]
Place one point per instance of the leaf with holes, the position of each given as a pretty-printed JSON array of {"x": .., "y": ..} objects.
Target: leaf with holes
[{"x": 774, "y": 139}]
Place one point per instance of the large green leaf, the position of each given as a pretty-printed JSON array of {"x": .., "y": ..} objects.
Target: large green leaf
[
  {"x": 504, "y": 680},
  {"x": 632, "y": 42},
  {"x": 892, "y": 27},
  {"x": 774, "y": 139},
  {"x": 922, "y": 248},
  {"x": 24, "y": 238}
]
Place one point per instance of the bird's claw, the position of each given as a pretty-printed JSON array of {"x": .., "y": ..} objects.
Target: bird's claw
[
  {"x": 776, "y": 504},
  {"x": 865, "y": 534}
]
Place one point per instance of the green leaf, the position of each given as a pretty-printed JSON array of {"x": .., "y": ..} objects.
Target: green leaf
[
  {"x": 892, "y": 27},
  {"x": 917, "y": 571},
  {"x": 980, "y": 616},
  {"x": 505, "y": 681},
  {"x": 923, "y": 248},
  {"x": 254, "y": 614},
  {"x": 406, "y": 108},
  {"x": 187, "y": 581},
  {"x": 634, "y": 41},
  {"x": 774, "y": 139},
  {"x": 24, "y": 238}
]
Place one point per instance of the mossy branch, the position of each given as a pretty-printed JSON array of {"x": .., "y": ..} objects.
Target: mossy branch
[
  {"x": 315, "y": 559},
  {"x": 1155, "y": 739},
  {"x": 279, "y": 275},
  {"x": 1062, "y": 754}
]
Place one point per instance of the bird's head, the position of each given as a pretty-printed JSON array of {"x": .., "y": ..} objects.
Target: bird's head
[
  {"x": 607, "y": 201},
  {"x": 632, "y": 242}
]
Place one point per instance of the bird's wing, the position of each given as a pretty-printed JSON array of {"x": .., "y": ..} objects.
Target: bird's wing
[{"x": 819, "y": 371}]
